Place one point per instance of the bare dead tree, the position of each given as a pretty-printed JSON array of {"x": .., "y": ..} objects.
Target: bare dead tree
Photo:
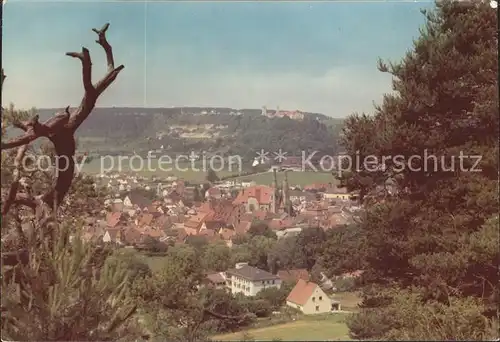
[{"x": 60, "y": 130}]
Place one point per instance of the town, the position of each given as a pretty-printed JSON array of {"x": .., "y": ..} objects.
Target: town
[{"x": 175, "y": 208}]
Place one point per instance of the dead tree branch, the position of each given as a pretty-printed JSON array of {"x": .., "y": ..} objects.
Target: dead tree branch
[
  {"x": 92, "y": 92},
  {"x": 60, "y": 130}
]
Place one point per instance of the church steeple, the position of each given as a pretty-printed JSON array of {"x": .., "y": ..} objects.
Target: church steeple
[{"x": 276, "y": 193}]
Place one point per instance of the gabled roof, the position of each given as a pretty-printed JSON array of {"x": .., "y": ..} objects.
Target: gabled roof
[
  {"x": 263, "y": 194},
  {"x": 222, "y": 210},
  {"x": 252, "y": 273},
  {"x": 196, "y": 221},
  {"x": 113, "y": 233},
  {"x": 112, "y": 219},
  {"x": 302, "y": 292}
]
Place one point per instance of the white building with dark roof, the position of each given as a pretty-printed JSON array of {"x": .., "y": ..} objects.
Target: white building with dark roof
[{"x": 250, "y": 280}]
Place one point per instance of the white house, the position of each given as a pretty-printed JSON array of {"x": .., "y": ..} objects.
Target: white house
[
  {"x": 250, "y": 280},
  {"x": 309, "y": 298}
]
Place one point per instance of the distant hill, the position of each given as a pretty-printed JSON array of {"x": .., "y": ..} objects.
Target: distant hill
[{"x": 224, "y": 130}]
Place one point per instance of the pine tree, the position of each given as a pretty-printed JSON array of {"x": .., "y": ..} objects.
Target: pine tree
[{"x": 434, "y": 236}]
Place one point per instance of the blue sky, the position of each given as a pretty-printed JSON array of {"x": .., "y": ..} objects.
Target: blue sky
[{"x": 310, "y": 56}]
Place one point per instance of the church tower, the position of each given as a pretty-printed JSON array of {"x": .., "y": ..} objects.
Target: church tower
[{"x": 276, "y": 194}]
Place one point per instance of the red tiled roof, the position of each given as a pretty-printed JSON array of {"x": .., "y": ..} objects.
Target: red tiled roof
[
  {"x": 112, "y": 219},
  {"x": 301, "y": 292},
  {"x": 263, "y": 194},
  {"x": 196, "y": 221},
  {"x": 221, "y": 210}
]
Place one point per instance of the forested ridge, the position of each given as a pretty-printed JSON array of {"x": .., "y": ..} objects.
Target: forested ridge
[{"x": 142, "y": 129}]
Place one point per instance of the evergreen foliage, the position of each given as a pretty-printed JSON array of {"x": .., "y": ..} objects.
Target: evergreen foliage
[{"x": 432, "y": 245}]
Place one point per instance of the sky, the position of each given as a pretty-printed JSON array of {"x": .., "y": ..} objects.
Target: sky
[{"x": 310, "y": 56}]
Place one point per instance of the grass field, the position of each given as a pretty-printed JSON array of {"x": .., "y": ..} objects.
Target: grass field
[
  {"x": 197, "y": 172},
  {"x": 147, "y": 168},
  {"x": 330, "y": 327}
]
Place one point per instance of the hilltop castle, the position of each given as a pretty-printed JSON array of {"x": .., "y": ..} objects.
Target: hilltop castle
[{"x": 294, "y": 115}]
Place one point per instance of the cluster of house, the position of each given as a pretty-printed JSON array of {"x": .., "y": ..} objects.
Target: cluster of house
[
  {"x": 173, "y": 216},
  {"x": 306, "y": 296}
]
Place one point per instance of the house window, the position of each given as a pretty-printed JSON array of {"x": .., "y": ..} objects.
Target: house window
[
  {"x": 320, "y": 298},
  {"x": 263, "y": 282},
  {"x": 314, "y": 299},
  {"x": 317, "y": 308},
  {"x": 273, "y": 281}
]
